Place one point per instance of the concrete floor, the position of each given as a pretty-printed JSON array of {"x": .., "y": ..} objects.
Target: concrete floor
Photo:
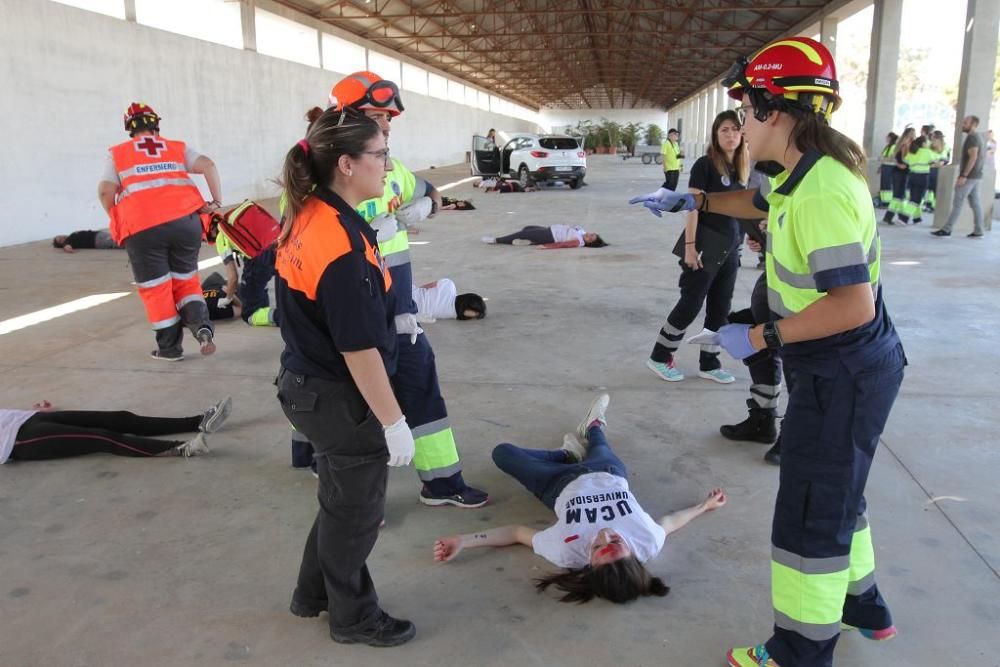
[{"x": 113, "y": 561}]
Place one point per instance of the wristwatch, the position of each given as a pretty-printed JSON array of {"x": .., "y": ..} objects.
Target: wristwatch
[{"x": 772, "y": 337}]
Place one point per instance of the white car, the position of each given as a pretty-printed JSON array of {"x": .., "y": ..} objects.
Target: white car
[{"x": 530, "y": 158}]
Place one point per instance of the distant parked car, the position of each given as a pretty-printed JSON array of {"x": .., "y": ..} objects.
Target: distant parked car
[{"x": 530, "y": 158}]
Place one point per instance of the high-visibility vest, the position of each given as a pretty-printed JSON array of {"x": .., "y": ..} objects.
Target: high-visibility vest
[{"x": 155, "y": 186}]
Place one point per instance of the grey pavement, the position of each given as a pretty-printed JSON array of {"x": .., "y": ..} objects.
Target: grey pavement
[{"x": 114, "y": 561}]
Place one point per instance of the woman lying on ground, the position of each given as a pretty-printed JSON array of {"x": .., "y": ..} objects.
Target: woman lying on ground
[
  {"x": 85, "y": 239},
  {"x": 44, "y": 433},
  {"x": 602, "y": 536},
  {"x": 550, "y": 238}
]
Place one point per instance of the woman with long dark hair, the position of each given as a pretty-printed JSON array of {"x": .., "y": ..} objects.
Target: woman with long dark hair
[
  {"x": 602, "y": 537},
  {"x": 333, "y": 291},
  {"x": 842, "y": 357},
  {"x": 900, "y": 175},
  {"x": 885, "y": 170},
  {"x": 710, "y": 257}
]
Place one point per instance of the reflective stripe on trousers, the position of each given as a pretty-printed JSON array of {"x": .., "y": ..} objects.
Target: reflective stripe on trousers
[{"x": 416, "y": 387}]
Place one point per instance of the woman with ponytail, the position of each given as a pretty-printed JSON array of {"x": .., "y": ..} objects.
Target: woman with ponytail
[{"x": 340, "y": 350}]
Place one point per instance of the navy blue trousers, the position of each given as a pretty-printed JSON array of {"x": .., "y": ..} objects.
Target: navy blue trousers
[{"x": 828, "y": 438}]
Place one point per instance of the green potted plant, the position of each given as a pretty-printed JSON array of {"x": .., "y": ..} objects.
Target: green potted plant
[
  {"x": 654, "y": 135},
  {"x": 611, "y": 135},
  {"x": 630, "y": 136}
]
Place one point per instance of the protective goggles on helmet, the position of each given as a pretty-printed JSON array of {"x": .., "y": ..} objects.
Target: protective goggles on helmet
[
  {"x": 737, "y": 74},
  {"x": 380, "y": 95}
]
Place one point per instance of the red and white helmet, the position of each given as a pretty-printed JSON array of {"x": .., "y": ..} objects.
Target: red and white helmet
[
  {"x": 799, "y": 70},
  {"x": 140, "y": 116}
]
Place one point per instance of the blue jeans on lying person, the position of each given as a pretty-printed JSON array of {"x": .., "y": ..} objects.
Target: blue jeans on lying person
[{"x": 546, "y": 472}]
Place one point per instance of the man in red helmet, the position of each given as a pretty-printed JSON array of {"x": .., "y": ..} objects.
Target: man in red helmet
[
  {"x": 406, "y": 199},
  {"x": 842, "y": 357},
  {"x": 154, "y": 208}
]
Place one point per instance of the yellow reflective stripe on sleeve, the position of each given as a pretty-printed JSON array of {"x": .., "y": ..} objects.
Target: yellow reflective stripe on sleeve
[
  {"x": 434, "y": 450},
  {"x": 398, "y": 243}
]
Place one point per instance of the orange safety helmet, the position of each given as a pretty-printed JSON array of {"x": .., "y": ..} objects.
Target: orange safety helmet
[
  {"x": 140, "y": 116},
  {"x": 366, "y": 91},
  {"x": 795, "y": 72}
]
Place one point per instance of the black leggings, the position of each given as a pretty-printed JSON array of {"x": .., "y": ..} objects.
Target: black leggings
[
  {"x": 537, "y": 235},
  {"x": 61, "y": 434},
  {"x": 704, "y": 287}
]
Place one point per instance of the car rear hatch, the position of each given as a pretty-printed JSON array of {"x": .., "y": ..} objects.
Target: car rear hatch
[{"x": 562, "y": 154}]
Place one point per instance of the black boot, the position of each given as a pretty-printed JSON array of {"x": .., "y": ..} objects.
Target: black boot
[
  {"x": 773, "y": 455},
  {"x": 757, "y": 427}
]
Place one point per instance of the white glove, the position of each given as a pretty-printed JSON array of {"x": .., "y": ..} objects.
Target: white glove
[
  {"x": 399, "y": 441},
  {"x": 415, "y": 211},
  {"x": 385, "y": 227},
  {"x": 407, "y": 324},
  {"x": 224, "y": 301}
]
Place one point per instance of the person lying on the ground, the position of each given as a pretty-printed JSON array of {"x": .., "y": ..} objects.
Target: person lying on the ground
[
  {"x": 502, "y": 185},
  {"x": 45, "y": 433},
  {"x": 440, "y": 300},
  {"x": 601, "y": 536},
  {"x": 550, "y": 238},
  {"x": 85, "y": 239},
  {"x": 452, "y": 204}
]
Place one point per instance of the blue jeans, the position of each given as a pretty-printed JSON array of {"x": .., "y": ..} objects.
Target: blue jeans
[{"x": 546, "y": 472}]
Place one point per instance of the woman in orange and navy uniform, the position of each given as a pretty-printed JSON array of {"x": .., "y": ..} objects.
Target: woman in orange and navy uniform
[{"x": 337, "y": 322}]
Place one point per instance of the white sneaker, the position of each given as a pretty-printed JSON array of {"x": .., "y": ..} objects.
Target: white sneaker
[
  {"x": 216, "y": 415},
  {"x": 196, "y": 446},
  {"x": 595, "y": 414},
  {"x": 665, "y": 371},
  {"x": 489, "y": 240},
  {"x": 577, "y": 450},
  {"x": 718, "y": 375}
]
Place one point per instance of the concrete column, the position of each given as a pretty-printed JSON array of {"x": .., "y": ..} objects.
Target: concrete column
[
  {"x": 249, "y": 21},
  {"x": 130, "y": 10},
  {"x": 828, "y": 34},
  {"x": 975, "y": 97},
  {"x": 882, "y": 65}
]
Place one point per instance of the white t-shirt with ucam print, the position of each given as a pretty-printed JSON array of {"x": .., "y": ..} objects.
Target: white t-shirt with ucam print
[
  {"x": 562, "y": 233},
  {"x": 587, "y": 505}
]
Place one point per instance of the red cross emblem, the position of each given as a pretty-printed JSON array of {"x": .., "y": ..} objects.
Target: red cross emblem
[{"x": 151, "y": 146}]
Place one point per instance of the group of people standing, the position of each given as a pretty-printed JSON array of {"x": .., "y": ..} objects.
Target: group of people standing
[
  {"x": 909, "y": 176},
  {"x": 358, "y": 377}
]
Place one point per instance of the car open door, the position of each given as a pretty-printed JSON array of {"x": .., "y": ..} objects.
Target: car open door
[{"x": 485, "y": 157}]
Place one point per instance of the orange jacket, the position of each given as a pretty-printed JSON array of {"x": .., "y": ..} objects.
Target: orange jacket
[{"x": 155, "y": 186}]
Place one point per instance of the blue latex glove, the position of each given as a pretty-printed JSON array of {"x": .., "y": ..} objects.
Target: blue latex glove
[
  {"x": 735, "y": 339},
  {"x": 666, "y": 200}
]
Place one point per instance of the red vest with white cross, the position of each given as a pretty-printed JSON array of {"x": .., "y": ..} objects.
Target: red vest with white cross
[{"x": 155, "y": 186}]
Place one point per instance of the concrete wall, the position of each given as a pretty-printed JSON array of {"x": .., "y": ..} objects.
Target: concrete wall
[
  {"x": 68, "y": 74},
  {"x": 558, "y": 119}
]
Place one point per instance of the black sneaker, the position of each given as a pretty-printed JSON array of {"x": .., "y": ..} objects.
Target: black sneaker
[
  {"x": 974, "y": 235},
  {"x": 773, "y": 455},
  {"x": 387, "y": 631},
  {"x": 468, "y": 498},
  {"x": 157, "y": 354},
  {"x": 304, "y": 609},
  {"x": 205, "y": 339},
  {"x": 940, "y": 232}
]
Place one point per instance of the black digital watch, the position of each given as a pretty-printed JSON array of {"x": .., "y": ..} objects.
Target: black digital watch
[{"x": 772, "y": 337}]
